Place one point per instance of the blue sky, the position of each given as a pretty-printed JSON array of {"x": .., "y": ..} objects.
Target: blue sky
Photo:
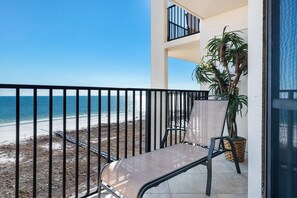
[{"x": 94, "y": 43}]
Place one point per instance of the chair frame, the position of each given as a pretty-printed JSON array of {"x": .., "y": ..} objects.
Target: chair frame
[{"x": 207, "y": 161}]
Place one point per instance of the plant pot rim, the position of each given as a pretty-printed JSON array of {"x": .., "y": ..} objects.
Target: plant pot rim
[{"x": 239, "y": 138}]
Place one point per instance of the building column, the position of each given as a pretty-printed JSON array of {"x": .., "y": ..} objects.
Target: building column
[
  {"x": 255, "y": 93},
  {"x": 159, "y": 66},
  {"x": 159, "y": 55}
]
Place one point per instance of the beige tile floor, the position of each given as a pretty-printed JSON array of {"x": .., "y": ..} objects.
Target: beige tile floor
[{"x": 226, "y": 183}]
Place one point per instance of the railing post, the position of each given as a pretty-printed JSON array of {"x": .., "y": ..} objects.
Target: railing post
[
  {"x": 168, "y": 24},
  {"x": 17, "y": 144},
  {"x": 148, "y": 122}
]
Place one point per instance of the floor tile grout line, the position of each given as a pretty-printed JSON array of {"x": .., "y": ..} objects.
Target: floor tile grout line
[{"x": 169, "y": 189}]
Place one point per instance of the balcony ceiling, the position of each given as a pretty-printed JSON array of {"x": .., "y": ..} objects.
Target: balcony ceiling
[
  {"x": 208, "y": 8},
  {"x": 188, "y": 52},
  {"x": 187, "y": 48}
]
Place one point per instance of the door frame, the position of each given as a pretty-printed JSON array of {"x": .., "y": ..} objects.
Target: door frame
[{"x": 272, "y": 42}]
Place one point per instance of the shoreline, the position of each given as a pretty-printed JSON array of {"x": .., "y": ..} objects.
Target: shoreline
[{"x": 8, "y": 131}]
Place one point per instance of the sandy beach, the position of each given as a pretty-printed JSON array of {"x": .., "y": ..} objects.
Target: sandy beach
[{"x": 8, "y": 132}]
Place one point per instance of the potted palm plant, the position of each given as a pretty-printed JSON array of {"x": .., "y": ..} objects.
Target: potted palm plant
[{"x": 226, "y": 60}]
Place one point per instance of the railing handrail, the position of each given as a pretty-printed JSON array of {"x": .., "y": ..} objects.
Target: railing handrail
[
  {"x": 171, "y": 6},
  {"x": 28, "y": 86},
  {"x": 178, "y": 25}
]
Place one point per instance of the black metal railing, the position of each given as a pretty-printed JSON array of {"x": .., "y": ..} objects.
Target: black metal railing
[
  {"x": 51, "y": 136},
  {"x": 181, "y": 23}
]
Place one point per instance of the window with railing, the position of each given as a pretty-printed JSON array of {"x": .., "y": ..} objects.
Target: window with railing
[{"x": 181, "y": 23}]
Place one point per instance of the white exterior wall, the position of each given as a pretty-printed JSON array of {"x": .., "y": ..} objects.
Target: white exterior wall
[
  {"x": 159, "y": 55},
  {"x": 213, "y": 26},
  {"x": 255, "y": 31},
  {"x": 235, "y": 20}
]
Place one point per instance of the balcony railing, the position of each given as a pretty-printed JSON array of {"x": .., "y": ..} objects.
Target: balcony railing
[
  {"x": 181, "y": 23},
  {"x": 51, "y": 137}
]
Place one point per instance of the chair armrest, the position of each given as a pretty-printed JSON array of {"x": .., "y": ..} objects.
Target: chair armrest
[
  {"x": 213, "y": 142},
  {"x": 221, "y": 137},
  {"x": 212, "y": 146},
  {"x": 226, "y": 138},
  {"x": 166, "y": 135}
]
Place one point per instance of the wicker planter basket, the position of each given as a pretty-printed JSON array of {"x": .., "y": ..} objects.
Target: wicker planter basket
[{"x": 239, "y": 145}]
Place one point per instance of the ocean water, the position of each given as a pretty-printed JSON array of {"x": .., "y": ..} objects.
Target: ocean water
[{"x": 8, "y": 107}]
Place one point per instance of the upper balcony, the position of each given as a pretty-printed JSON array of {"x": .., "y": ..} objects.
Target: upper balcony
[
  {"x": 183, "y": 40},
  {"x": 190, "y": 24},
  {"x": 209, "y": 8},
  {"x": 181, "y": 23}
]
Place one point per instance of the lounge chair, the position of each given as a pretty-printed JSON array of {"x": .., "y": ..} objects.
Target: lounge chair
[{"x": 132, "y": 176}]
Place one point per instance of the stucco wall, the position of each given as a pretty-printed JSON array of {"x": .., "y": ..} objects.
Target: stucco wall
[{"x": 235, "y": 20}]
